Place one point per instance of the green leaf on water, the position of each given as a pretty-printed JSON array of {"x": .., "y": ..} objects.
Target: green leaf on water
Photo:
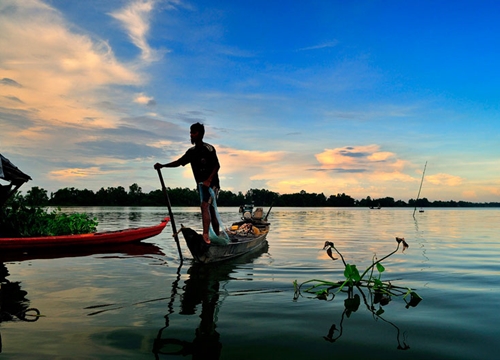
[
  {"x": 352, "y": 273},
  {"x": 377, "y": 284},
  {"x": 322, "y": 295}
]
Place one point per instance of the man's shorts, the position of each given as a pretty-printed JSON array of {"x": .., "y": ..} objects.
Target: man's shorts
[{"x": 206, "y": 196}]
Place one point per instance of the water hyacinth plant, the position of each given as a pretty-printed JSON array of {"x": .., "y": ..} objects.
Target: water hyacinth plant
[{"x": 369, "y": 286}]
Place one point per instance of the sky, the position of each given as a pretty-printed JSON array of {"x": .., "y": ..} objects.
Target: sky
[{"x": 329, "y": 97}]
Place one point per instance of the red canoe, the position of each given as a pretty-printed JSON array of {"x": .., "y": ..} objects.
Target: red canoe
[{"x": 92, "y": 239}]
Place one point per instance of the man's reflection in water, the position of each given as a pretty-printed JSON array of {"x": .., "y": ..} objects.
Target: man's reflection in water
[{"x": 202, "y": 287}]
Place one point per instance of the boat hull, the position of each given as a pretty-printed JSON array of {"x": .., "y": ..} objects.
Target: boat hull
[
  {"x": 209, "y": 253},
  {"x": 93, "y": 239}
]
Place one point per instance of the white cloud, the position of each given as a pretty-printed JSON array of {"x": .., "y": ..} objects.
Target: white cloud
[
  {"x": 135, "y": 18},
  {"x": 328, "y": 44}
]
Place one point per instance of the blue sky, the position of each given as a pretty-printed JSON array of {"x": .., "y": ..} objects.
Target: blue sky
[{"x": 324, "y": 96}]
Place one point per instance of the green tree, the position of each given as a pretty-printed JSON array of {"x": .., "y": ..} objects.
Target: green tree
[
  {"x": 340, "y": 200},
  {"x": 72, "y": 197},
  {"x": 112, "y": 196},
  {"x": 425, "y": 203},
  {"x": 135, "y": 195},
  {"x": 385, "y": 202},
  {"x": 228, "y": 198},
  {"x": 260, "y": 197},
  {"x": 37, "y": 197},
  {"x": 183, "y": 197}
]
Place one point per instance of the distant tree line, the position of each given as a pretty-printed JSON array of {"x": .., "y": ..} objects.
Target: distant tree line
[{"x": 118, "y": 196}]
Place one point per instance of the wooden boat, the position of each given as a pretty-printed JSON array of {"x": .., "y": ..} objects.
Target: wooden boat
[
  {"x": 92, "y": 239},
  {"x": 243, "y": 237}
]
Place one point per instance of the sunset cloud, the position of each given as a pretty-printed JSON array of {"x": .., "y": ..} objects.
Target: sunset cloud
[
  {"x": 493, "y": 190},
  {"x": 356, "y": 158},
  {"x": 444, "y": 179},
  {"x": 68, "y": 174},
  {"x": 144, "y": 100}
]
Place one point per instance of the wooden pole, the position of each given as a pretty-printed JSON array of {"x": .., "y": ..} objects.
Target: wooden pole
[
  {"x": 170, "y": 213},
  {"x": 421, "y": 182},
  {"x": 265, "y": 219}
]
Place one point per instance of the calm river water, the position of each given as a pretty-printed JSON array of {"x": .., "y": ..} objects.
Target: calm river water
[{"x": 137, "y": 302}]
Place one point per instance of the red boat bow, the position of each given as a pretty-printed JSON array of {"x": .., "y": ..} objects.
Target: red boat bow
[{"x": 100, "y": 238}]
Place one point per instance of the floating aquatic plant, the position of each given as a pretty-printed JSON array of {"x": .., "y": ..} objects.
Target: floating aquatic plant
[{"x": 375, "y": 292}]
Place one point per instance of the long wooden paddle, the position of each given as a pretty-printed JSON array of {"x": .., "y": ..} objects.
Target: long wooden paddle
[{"x": 170, "y": 213}]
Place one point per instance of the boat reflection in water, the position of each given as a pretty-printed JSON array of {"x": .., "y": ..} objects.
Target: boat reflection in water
[
  {"x": 14, "y": 306},
  {"x": 202, "y": 287},
  {"x": 131, "y": 249}
]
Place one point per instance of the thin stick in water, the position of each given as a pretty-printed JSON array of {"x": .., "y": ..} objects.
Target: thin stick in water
[{"x": 421, "y": 182}]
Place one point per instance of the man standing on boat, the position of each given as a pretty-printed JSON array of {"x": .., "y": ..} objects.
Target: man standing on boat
[{"x": 205, "y": 166}]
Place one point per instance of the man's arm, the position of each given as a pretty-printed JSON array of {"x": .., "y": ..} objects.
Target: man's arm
[
  {"x": 175, "y": 163},
  {"x": 183, "y": 160}
]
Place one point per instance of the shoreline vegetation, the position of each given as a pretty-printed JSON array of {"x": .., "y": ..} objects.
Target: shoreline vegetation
[
  {"x": 29, "y": 215},
  {"x": 119, "y": 196}
]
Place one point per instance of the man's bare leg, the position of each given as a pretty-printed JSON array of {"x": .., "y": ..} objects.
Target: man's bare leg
[{"x": 205, "y": 217}]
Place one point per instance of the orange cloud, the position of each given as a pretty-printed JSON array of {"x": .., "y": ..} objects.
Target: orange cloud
[
  {"x": 367, "y": 157},
  {"x": 143, "y": 99},
  {"x": 444, "y": 179},
  {"x": 469, "y": 194},
  {"x": 283, "y": 173},
  {"x": 65, "y": 174},
  {"x": 380, "y": 156},
  {"x": 236, "y": 160},
  {"x": 493, "y": 190}
]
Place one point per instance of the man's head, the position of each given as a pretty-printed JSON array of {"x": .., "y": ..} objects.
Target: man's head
[{"x": 197, "y": 132}]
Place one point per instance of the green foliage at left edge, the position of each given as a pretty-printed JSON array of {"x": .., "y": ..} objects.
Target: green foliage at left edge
[{"x": 19, "y": 219}]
